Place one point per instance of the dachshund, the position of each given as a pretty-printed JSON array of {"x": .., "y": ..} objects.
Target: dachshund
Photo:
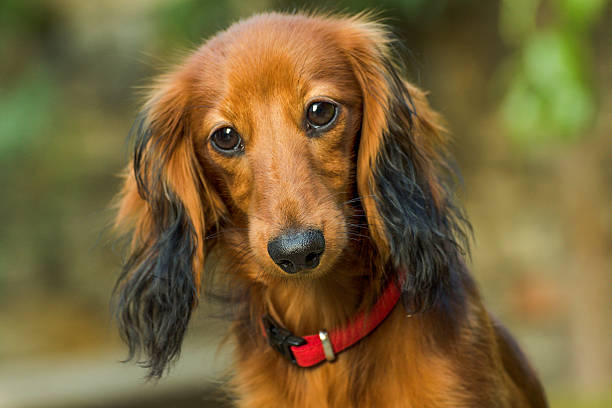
[{"x": 289, "y": 163}]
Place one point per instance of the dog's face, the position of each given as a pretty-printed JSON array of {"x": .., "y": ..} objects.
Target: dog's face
[
  {"x": 271, "y": 144},
  {"x": 278, "y": 136}
]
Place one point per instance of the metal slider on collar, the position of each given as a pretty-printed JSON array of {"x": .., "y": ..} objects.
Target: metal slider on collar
[{"x": 327, "y": 346}]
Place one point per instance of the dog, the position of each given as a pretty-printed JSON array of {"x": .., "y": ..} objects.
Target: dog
[{"x": 290, "y": 158}]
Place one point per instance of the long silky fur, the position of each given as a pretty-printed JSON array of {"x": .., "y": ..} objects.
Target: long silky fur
[
  {"x": 426, "y": 240},
  {"x": 156, "y": 290}
]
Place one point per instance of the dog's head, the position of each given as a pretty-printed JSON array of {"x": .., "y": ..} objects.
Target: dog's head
[{"x": 290, "y": 143}]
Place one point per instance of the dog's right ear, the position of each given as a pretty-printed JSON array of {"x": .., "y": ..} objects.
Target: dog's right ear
[
  {"x": 166, "y": 206},
  {"x": 403, "y": 174}
]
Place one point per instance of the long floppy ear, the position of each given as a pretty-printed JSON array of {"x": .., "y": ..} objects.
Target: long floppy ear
[
  {"x": 402, "y": 172},
  {"x": 166, "y": 205}
]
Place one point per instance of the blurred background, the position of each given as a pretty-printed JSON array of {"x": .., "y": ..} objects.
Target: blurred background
[{"x": 526, "y": 86}]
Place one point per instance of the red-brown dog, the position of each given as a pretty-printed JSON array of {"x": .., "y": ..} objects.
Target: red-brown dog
[{"x": 290, "y": 156}]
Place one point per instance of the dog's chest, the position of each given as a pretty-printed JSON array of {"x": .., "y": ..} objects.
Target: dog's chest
[
  {"x": 347, "y": 385},
  {"x": 376, "y": 372}
]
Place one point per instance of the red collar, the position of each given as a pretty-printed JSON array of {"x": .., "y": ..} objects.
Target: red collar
[{"x": 311, "y": 350}]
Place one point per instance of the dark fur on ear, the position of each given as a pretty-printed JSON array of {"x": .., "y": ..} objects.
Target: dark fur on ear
[
  {"x": 158, "y": 289},
  {"x": 425, "y": 228},
  {"x": 163, "y": 201},
  {"x": 403, "y": 175}
]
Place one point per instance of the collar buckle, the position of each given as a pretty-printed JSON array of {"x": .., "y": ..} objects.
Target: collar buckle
[{"x": 280, "y": 338}]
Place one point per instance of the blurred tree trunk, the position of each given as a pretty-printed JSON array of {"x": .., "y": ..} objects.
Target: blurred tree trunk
[{"x": 585, "y": 206}]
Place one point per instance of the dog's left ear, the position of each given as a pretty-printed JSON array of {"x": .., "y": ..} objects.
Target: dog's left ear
[
  {"x": 167, "y": 206},
  {"x": 402, "y": 173}
]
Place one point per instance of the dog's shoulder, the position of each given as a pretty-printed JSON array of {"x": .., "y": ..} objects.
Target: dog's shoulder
[{"x": 517, "y": 366}]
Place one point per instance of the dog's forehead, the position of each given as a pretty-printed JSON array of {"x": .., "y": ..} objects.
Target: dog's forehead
[{"x": 278, "y": 53}]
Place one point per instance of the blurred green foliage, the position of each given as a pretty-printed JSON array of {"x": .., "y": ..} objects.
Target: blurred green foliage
[
  {"x": 29, "y": 90},
  {"x": 29, "y": 105},
  {"x": 550, "y": 96}
]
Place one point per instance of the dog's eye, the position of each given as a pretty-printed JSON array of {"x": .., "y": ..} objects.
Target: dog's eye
[
  {"x": 227, "y": 140},
  {"x": 321, "y": 114}
]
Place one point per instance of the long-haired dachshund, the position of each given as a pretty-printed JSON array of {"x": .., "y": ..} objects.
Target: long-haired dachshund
[{"x": 290, "y": 157}]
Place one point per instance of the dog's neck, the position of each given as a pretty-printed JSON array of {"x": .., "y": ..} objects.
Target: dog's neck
[{"x": 307, "y": 306}]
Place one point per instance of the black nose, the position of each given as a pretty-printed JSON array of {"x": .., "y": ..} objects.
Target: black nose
[{"x": 294, "y": 251}]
